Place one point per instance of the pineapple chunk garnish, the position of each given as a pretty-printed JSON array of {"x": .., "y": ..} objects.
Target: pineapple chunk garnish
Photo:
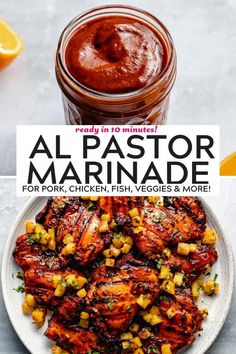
[
  {"x": 60, "y": 289},
  {"x": 167, "y": 252},
  {"x": 134, "y": 328},
  {"x": 68, "y": 239},
  {"x": 125, "y": 344},
  {"x": 94, "y": 199},
  {"x": 196, "y": 287},
  {"x": 110, "y": 262},
  {"x": 139, "y": 351},
  {"x": 115, "y": 252},
  {"x": 144, "y": 333},
  {"x": 84, "y": 323},
  {"x": 138, "y": 229},
  {"x": 82, "y": 293},
  {"x": 126, "y": 336},
  {"x": 171, "y": 312},
  {"x": 106, "y": 217},
  {"x": 107, "y": 253},
  {"x": 27, "y": 309},
  {"x": 168, "y": 286},
  {"x": 103, "y": 227},
  {"x": 117, "y": 241},
  {"x": 68, "y": 249},
  {"x": 178, "y": 278},
  {"x": 165, "y": 273},
  {"x": 192, "y": 247},
  {"x": 29, "y": 226},
  {"x": 38, "y": 316},
  {"x": 143, "y": 301},
  {"x": 29, "y": 299},
  {"x": 71, "y": 280},
  {"x": 137, "y": 221},
  {"x": 211, "y": 287},
  {"x": 153, "y": 199},
  {"x": 133, "y": 212},
  {"x": 81, "y": 281},
  {"x": 209, "y": 237},
  {"x": 166, "y": 349},
  {"x": 183, "y": 249},
  {"x": 57, "y": 350},
  {"x": 84, "y": 315},
  {"x": 136, "y": 343}
]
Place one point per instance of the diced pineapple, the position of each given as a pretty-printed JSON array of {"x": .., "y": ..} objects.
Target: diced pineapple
[
  {"x": 71, "y": 280},
  {"x": 196, "y": 287},
  {"x": 82, "y": 293},
  {"x": 138, "y": 229},
  {"x": 107, "y": 253},
  {"x": 84, "y": 323},
  {"x": 148, "y": 317},
  {"x": 27, "y": 309},
  {"x": 68, "y": 239},
  {"x": 126, "y": 336},
  {"x": 143, "y": 301},
  {"x": 115, "y": 252},
  {"x": 81, "y": 281},
  {"x": 144, "y": 333},
  {"x": 183, "y": 248},
  {"x": 154, "y": 310},
  {"x": 106, "y": 217},
  {"x": 211, "y": 287},
  {"x": 103, "y": 227},
  {"x": 192, "y": 247},
  {"x": 38, "y": 228},
  {"x": 178, "y": 278},
  {"x": 166, "y": 349},
  {"x": 165, "y": 273},
  {"x": 125, "y": 344},
  {"x": 209, "y": 237},
  {"x": 168, "y": 286},
  {"x": 29, "y": 227},
  {"x": 167, "y": 252},
  {"x": 85, "y": 198},
  {"x": 155, "y": 320},
  {"x": 94, "y": 199},
  {"x": 38, "y": 316},
  {"x": 45, "y": 239},
  {"x": 134, "y": 327},
  {"x": 29, "y": 299},
  {"x": 153, "y": 199},
  {"x": 117, "y": 241},
  {"x": 84, "y": 315},
  {"x": 171, "y": 312},
  {"x": 137, "y": 221},
  {"x": 112, "y": 225},
  {"x": 204, "y": 313},
  {"x": 57, "y": 350},
  {"x": 60, "y": 289},
  {"x": 55, "y": 280},
  {"x": 136, "y": 343},
  {"x": 133, "y": 212},
  {"x": 126, "y": 248},
  {"x": 68, "y": 249},
  {"x": 110, "y": 262},
  {"x": 128, "y": 240},
  {"x": 139, "y": 351},
  {"x": 52, "y": 244}
]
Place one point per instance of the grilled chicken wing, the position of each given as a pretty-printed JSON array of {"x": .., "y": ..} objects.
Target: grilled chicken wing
[{"x": 112, "y": 297}]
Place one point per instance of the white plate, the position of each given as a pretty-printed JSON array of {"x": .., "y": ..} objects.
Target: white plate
[{"x": 33, "y": 338}]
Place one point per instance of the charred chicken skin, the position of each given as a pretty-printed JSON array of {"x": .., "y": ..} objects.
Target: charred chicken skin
[
  {"x": 120, "y": 273},
  {"x": 112, "y": 297}
]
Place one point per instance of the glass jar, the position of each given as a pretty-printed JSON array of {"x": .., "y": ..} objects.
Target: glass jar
[{"x": 148, "y": 105}]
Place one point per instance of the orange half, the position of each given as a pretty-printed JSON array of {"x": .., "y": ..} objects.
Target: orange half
[
  {"x": 10, "y": 44},
  {"x": 228, "y": 165}
]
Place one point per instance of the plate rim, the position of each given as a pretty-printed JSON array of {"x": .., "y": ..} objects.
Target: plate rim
[{"x": 207, "y": 208}]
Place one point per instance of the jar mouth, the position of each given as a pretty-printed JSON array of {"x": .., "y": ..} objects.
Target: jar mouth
[{"x": 115, "y": 10}]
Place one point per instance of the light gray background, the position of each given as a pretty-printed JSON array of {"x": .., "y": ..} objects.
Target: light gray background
[
  {"x": 225, "y": 207},
  {"x": 204, "y": 32}
]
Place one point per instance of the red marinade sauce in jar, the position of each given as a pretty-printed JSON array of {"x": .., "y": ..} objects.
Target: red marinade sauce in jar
[{"x": 115, "y": 55}]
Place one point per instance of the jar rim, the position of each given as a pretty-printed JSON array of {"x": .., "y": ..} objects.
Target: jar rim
[{"x": 111, "y": 97}]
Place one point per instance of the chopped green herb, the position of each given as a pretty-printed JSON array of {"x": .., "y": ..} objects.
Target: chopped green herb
[
  {"x": 159, "y": 263},
  {"x": 164, "y": 298},
  {"x": 152, "y": 349},
  {"x": 20, "y": 275},
  {"x": 90, "y": 205},
  {"x": 20, "y": 288},
  {"x": 215, "y": 277},
  {"x": 93, "y": 352}
]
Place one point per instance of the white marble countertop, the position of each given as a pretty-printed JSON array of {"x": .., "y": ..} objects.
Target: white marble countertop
[
  {"x": 225, "y": 207},
  {"x": 204, "y": 32}
]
